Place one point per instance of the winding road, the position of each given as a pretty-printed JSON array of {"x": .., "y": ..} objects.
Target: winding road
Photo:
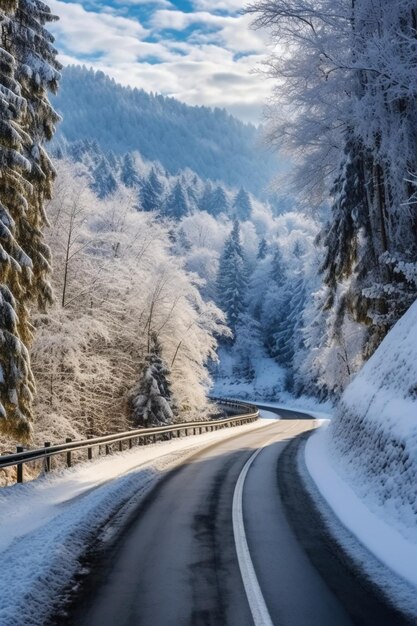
[{"x": 212, "y": 546}]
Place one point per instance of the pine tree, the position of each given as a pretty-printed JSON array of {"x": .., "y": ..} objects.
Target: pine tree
[
  {"x": 104, "y": 183},
  {"x": 218, "y": 202},
  {"x": 28, "y": 71},
  {"x": 151, "y": 400},
  {"x": 232, "y": 277},
  {"x": 204, "y": 202},
  {"x": 242, "y": 206},
  {"x": 288, "y": 333},
  {"x": 176, "y": 206},
  {"x": 129, "y": 175},
  {"x": 151, "y": 193},
  {"x": 262, "y": 249},
  {"x": 114, "y": 163},
  {"x": 278, "y": 273},
  {"x": 248, "y": 338}
]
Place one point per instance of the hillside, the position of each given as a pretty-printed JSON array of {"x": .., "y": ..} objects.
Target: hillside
[
  {"x": 212, "y": 143},
  {"x": 373, "y": 438}
]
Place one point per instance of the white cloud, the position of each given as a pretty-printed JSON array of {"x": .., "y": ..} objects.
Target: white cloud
[
  {"x": 214, "y": 66},
  {"x": 232, "y": 6}
]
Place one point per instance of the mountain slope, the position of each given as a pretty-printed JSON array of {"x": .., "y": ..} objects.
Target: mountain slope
[{"x": 121, "y": 119}]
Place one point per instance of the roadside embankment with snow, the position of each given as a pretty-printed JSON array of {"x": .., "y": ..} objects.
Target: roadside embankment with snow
[
  {"x": 364, "y": 463},
  {"x": 373, "y": 437},
  {"x": 47, "y": 524},
  {"x": 384, "y": 555}
]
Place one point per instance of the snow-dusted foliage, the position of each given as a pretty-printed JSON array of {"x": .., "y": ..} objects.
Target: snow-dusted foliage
[
  {"x": 373, "y": 437},
  {"x": 118, "y": 285},
  {"x": 345, "y": 105},
  {"x": 211, "y": 142},
  {"x": 29, "y": 71}
]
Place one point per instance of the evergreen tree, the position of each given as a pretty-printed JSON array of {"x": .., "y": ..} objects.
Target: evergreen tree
[
  {"x": 218, "y": 202},
  {"x": 176, "y": 205},
  {"x": 151, "y": 193},
  {"x": 151, "y": 400},
  {"x": 113, "y": 161},
  {"x": 262, "y": 249},
  {"x": 129, "y": 175},
  {"x": 204, "y": 203},
  {"x": 288, "y": 335},
  {"x": 242, "y": 206},
  {"x": 278, "y": 273},
  {"x": 104, "y": 183},
  {"x": 248, "y": 337},
  {"x": 28, "y": 71},
  {"x": 232, "y": 277}
]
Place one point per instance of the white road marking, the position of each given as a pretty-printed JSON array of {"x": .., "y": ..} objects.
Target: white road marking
[
  {"x": 257, "y": 604},
  {"x": 256, "y": 600}
]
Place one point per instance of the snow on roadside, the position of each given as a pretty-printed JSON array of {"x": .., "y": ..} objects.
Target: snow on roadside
[
  {"x": 384, "y": 541},
  {"x": 303, "y": 405},
  {"x": 321, "y": 411},
  {"x": 46, "y": 524}
]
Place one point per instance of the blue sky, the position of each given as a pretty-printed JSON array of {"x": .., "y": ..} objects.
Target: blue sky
[{"x": 199, "y": 51}]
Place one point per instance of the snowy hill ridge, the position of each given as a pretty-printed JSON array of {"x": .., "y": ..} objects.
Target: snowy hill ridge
[
  {"x": 373, "y": 438},
  {"x": 212, "y": 142}
]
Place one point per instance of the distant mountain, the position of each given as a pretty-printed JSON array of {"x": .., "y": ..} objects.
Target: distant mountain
[{"x": 211, "y": 142}]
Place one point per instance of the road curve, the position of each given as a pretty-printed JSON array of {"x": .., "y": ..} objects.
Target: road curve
[{"x": 182, "y": 560}]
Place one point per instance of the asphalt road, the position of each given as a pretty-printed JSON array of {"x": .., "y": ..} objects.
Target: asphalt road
[{"x": 213, "y": 546}]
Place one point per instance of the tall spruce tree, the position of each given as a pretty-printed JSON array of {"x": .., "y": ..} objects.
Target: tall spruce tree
[
  {"x": 129, "y": 175},
  {"x": 151, "y": 193},
  {"x": 242, "y": 206},
  {"x": 29, "y": 70},
  {"x": 262, "y": 249},
  {"x": 232, "y": 277},
  {"x": 104, "y": 183},
  {"x": 218, "y": 202},
  {"x": 176, "y": 205}
]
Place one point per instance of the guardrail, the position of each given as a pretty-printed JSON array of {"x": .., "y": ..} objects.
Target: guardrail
[{"x": 246, "y": 413}]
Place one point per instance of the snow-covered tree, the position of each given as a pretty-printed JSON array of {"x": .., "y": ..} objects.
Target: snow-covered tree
[
  {"x": 29, "y": 71},
  {"x": 176, "y": 205},
  {"x": 242, "y": 206},
  {"x": 104, "y": 183},
  {"x": 245, "y": 348},
  {"x": 129, "y": 175},
  {"x": 345, "y": 103},
  {"x": 118, "y": 287},
  {"x": 262, "y": 249},
  {"x": 232, "y": 277},
  {"x": 151, "y": 399},
  {"x": 151, "y": 193},
  {"x": 218, "y": 202}
]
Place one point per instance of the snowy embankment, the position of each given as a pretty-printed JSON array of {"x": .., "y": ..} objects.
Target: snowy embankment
[
  {"x": 46, "y": 525},
  {"x": 365, "y": 462}
]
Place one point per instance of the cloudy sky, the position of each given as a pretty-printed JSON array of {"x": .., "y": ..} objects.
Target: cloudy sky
[{"x": 200, "y": 51}]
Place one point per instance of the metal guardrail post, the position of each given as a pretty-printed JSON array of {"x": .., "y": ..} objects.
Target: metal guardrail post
[
  {"x": 19, "y": 467},
  {"x": 47, "y": 458},
  {"x": 69, "y": 456}
]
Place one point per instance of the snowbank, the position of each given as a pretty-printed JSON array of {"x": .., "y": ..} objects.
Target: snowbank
[
  {"x": 386, "y": 543},
  {"x": 47, "y": 524},
  {"x": 372, "y": 440}
]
